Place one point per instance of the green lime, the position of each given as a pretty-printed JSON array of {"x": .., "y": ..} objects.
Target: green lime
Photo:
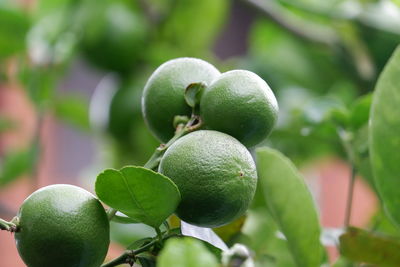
[
  {"x": 114, "y": 36},
  {"x": 240, "y": 104},
  {"x": 63, "y": 226},
  {"x": 163, "y": 95},
  {"x": 215, "y": 174},
  {"x": 125, "y": 114}
]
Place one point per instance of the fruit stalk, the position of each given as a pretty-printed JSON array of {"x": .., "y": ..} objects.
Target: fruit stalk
[
  {"x": 8, "y": 226},
  {"x": 193, "y": 124}
]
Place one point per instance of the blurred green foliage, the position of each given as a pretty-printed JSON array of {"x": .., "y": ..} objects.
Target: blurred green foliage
[{"x": 321, "y": 58}]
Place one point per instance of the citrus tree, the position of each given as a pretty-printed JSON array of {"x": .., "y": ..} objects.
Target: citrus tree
[{"x": 208, "y": 157}]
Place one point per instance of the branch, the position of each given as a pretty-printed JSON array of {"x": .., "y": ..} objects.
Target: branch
[
  {"x": 346, "y": 140},
  {"x": 129, "y": 256},
  {"x": 350, "y": 193},
  {"x": 305, "y": 31}
]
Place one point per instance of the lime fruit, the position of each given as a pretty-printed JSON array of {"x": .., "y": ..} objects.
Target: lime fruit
[
  {"x": 125, "y": 114},
  {"x": 163, "y": 95},
  {"x": 240, "y": 104},
  {"x": 63, "y": 226},
  {"x": 215, "y": 174},
  {"x": 115, "y": 35}
]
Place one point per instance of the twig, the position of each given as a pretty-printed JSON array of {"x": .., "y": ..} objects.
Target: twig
[
  {"x": 129, "y": 255},
  {"x": 159, "y": 234},
  {"x": 298, "y": 28},
  {"x": 334, "y": 14},
  {"x": 350, "y": 193},
  {"x": 346, "y": 140}
]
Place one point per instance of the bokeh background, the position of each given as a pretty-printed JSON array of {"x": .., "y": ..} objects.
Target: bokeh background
[{"x": 72, "y": 72}]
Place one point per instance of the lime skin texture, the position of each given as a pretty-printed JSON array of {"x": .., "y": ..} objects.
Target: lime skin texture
[
  {"x": 240, "y": 104},
  {"x": 163, "y": 94},
  {"x": 64, "y": 226},
  {"x": 215, "y": 174}
]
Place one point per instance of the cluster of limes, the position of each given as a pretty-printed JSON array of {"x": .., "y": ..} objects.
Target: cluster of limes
[
  {"x": 212, "y": 167},
  {"x": 64, "y": 225}
]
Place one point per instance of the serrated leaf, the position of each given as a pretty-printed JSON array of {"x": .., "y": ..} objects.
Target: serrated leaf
[
  {"x": 291, "y": 205},
  {"x": 362, "y": 246},
  {"x": 185, "y": 252},
  {"x": 140, "y": 193},
  {"x": 384, "y": 141}
]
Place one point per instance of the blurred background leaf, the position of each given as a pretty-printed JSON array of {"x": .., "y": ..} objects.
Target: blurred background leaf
[
  {"x": 321, "y": 58},
  {"x": 17, "y": 163},
  {"x": 14, "y": 25},
  {"x": 365, "y": 247}
]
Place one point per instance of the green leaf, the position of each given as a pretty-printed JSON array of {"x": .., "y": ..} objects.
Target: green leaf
[
  {"x": 359, "y": 113},
  {"x": 260, "y": 234},
  {"x": 74, "y": 110},
  {"x": 140, "y": 243},
  {"x": 17, "y": 163},
  {"x": 185, "y": 252},
  {"x": 291, "y": 205},
  {"x": 187, "y": 15},
  {"x": 13, "y": 28},
  {"x": 384, "y": 142},
  {"x": 140, "y": 193},
  {"x": 40, "y": 83},
  {"x": 44, "y": 7},
  {"x": 365, "y": 247},
  {"x": 123, "y": 220}
]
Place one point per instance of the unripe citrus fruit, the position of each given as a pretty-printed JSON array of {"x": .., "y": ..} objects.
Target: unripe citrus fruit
[
  {"x": 215, "y": 174},
  {"x": 63, "y": 226},
  {"x": 114, "y": 35},
  {"x": 240, "y": 104},
  {"x": 163, "y": 95}
]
